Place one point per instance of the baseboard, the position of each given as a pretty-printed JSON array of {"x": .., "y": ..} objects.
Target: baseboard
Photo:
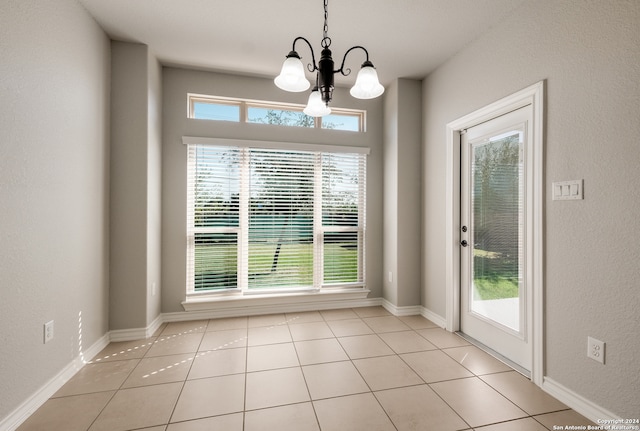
[
  {"x": 38, "y": 398},
  {"x": 435, "y": 318},
  {"x": 137, "y": 333},
  {"x": 401, "y": 311},
  {"x": 585, "y": 407}
]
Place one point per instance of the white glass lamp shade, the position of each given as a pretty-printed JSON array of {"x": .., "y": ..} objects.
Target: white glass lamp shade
[
  {"x": 367, "y": 85},
  {"x": 315, "y": 106},
  {"x": 292, "y": 77}
]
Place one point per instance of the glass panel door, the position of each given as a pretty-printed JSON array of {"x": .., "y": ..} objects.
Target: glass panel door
[{"x": 494, "y": 288}]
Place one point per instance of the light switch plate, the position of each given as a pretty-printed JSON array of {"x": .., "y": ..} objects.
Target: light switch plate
[{"x": 567, "y": 190}]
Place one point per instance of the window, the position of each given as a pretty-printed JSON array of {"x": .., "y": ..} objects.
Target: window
[
  {"x": 274, "y": 218},
  {"x": 204, "y": 107}
]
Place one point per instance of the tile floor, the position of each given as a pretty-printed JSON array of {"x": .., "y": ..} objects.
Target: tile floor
[{"x": 343, "y": 370}]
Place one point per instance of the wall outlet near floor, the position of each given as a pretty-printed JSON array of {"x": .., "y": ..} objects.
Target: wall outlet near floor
[
  {"x": 48, "y": 331},
  {"x": 595, "y": 349}
]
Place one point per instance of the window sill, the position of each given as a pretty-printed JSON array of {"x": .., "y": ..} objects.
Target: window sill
[{"x": 311, "y": 299}]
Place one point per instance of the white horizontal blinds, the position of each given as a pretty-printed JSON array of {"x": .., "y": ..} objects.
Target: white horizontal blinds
[
  {"x": 274, "y": 218},
  {"x": 281, "y": 208},
  {"x": 343, "y": 217},
  {"x": 213, "y": 222}
]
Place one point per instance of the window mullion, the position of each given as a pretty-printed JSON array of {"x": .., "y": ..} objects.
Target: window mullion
[
  {"x": 243, "y": 241},
  {"x": 362, "y": 199},
  {"x": 318, "y": 237}
]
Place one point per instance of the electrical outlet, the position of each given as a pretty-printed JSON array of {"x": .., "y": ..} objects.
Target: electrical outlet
[
  {"x": 595, "y": 349},
  {"x": 48, "y": 331}
]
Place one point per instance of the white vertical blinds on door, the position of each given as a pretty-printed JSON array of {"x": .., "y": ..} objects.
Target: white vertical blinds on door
[{"x": 265, "y": 219}]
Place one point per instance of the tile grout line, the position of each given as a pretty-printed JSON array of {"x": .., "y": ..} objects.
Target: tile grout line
[{"x": 304, "y": 377}]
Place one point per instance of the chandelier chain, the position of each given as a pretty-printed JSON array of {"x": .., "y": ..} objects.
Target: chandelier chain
[{"x": 326, "y": 40}]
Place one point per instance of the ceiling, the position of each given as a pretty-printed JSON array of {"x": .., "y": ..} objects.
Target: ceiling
[{"x": 405, "y": 38}]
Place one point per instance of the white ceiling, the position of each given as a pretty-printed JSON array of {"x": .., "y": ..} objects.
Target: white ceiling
[{"x": 405, "y": 38}]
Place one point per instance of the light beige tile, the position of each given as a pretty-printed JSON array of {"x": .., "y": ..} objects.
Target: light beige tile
[
  {"x": 435, "y": 366},
  {"x": 275, "y": 388},
  {"x": 406, "y": 342},
  {"x": 385, "y": 324},
  {"x": 417, "y": 322},
  {"x": 354, "y": 413},
  {"x": 386, "y": 372},
  {"x": 158, "y": 331},
  {"x": 476, "y": 361},
  {"x": 158, "y": 428},
  {"x": 138, "y": 408},
  {"x": 100, "y": 377},
  {"x": 161, "y": 369},
  {"x": 269, "y": 335},
  {"x": 441, "y": 338},
  {"x": 371, "y": 311},
  {"x": 232, "y": 422},
  {"x": 214, "y": 363},
  {"x": 349, "y": 327},
  {"x": 225, "y": 323},
  {"x": 123, "y": 350},
  {"x": 563, "y": 418},
  {"x": 175, "y": 344},
  {"x": 320, "y": 351},
  {"x": 310, "y": 331},
  {"x": 189, "y": 327},
  {"x": 303, "y": 317},
  {"x": 364, "y": 346},
  {"x": 267, "y": 320},
  {"x": 526, "y": 424},
  {"x": 419, "y": 408},
  {"x": 523, "y": 393},
  {"x": 333, "y": 379},
  {"x": 272, "y": 356},
  {"x": 294, "y": 417},
  {"x": 476, "y": 402},
  {"x": 226, "y": 339},
  {"x": 73, "y": 413},
  {"x": 210, "y": 397},
  {"x": 338, "y": 314}
]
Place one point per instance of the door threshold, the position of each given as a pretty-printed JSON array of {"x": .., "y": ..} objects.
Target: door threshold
[{"x": 496, "y": 355}]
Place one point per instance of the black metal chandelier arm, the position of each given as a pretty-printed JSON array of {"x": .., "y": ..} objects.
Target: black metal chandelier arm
[
  {"x": 312, "y": 67},
  {"x": 347, "y": 71}
]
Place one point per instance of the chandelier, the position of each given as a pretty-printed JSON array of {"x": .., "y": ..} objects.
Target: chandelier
[{"x": 292, "y": 76}]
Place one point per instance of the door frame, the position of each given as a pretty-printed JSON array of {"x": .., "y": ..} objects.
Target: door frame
[{"x": 534, "y": 96}]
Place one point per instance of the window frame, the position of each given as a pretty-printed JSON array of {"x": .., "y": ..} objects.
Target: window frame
[{"x": 242, "y": 231}]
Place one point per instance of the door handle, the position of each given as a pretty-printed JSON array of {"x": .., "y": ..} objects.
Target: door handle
[{"x": 464, "y": 243}]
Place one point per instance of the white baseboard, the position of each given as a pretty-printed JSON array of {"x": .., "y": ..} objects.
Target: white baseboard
[
  {"x": 136, "y": 333},
  {"x": 435, "y": 318},
  {"x": 586, "y": 408},
  {"x": 401, "y": 311},
  {"x": 38, "y": 398}
]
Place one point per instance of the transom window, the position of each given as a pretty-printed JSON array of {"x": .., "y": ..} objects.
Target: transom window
[
  {"x": 259, "y": 112},
  {"x": 267, "y": 218}
]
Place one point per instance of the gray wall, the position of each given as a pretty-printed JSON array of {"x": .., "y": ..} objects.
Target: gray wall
[
  {"x": 589, "y": 55},
  {"x": 54, "y": 179},
  {"x": 179, "y": 82},
  {"x": 402, "y": 192},
  {"x": 135, "y": 187}
]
